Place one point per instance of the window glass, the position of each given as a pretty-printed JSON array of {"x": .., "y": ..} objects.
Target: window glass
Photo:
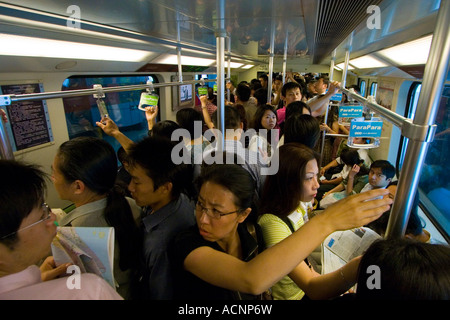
[
  {"x": 363, "y": 88},
  {"x": 434, "y": 183},
  {"x": 373, "y": 89},
  {"x": 82, "y": 111}
]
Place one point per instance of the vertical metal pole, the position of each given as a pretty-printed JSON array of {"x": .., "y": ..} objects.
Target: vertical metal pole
[
  {"x": 347, "y": 59},
  {"x": 325, "y": 120},
  {"x": 333, "y": 60},
  {"x": 180, "y": 69},
  {"x": 220, "y": 48},
  {"x": 427, "y": 107},
  {"x": 272, "y": 46},
  {"x": 6, "y": 151},
  {"x": 285, "y": 55},
  {"x": 229, "y": 67}
]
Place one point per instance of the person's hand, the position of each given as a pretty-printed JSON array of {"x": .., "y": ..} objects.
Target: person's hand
[
  {"x": 324, "y": 127},
  {"x": 108, "y": 126},
  {"x": 151, "y": 113},
  {"x": 334, "y": 87},
  {"x": 50, "y": 271},
  {"x": 357, "y": 210},
  {"x": 322, "y": 171},
  {"x": 354, "y": 171},
  {"x": 203, "y": 100},
  {"x": 3, "y": 115}
]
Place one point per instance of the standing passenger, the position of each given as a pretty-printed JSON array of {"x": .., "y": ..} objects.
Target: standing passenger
[
  {"x": 283, "y": 212},
  {"x": 160, "y": 186},
  {"x": 216, "y": 258},
  {"x": 84, "y": 172}
]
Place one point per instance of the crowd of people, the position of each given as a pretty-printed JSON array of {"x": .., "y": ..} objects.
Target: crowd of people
[{"x": 195, "y": 219}]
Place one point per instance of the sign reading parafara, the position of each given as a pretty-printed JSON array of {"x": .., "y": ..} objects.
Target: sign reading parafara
[{"x": 361, "y": 128}]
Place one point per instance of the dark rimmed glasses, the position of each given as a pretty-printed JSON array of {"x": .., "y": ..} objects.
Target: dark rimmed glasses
[{"x": 213, "y": 213}]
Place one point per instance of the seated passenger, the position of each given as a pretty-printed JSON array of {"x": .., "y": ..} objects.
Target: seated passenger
[
  {"x": 84, "y": 172},
  {"x": 283, "y": 212},
  {"x": 164, "y": 190},
  {"x": 215, "y": 260},
  {"x": 404, "y": 269},
  {"x": 380, "y": 175},
  {"x": 415, "y": 228},
  {"x": 27, "y": 229}
]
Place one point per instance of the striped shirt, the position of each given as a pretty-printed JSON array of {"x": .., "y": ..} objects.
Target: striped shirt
[{"x": 274, "y": 230}]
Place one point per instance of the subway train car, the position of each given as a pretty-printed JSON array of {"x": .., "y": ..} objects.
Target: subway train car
[{"x": 61, "y": 61}]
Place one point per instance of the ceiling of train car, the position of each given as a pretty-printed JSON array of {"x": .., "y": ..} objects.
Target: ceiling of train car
[{"x": 249, "y": 23}]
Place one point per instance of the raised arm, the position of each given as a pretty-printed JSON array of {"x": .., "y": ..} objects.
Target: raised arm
[
  {"x": 206, "y": 116},
  {"x": 318, "y": 106},
  {"x": 111, "y": 129},
  {"x": 267, "y": 268}
]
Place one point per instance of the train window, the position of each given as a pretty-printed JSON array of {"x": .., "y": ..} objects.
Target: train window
[
  {"x": 82, "y": 112},
  {"x": 410, "y": 111},
  {"x": 362, "y": 88},
  {"x": 373, "y": 89},
  {"x": 434, "y": 182}
]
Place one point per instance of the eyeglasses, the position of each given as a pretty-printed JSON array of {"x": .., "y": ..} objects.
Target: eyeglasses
[
  {"x": 213, "y": 213},
  {"x": 47, "y": 215}
]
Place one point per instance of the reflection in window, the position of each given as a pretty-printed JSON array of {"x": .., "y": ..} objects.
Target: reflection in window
[
  {"x": 363, "y": 88},
  {"x": 373, "y": 89}
]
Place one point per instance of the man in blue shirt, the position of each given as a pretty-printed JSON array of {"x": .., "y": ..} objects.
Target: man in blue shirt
[{"x": 160, "y": 187}]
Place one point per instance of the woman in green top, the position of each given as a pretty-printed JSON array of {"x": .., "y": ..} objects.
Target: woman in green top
[{"x": 282, "y": 201}]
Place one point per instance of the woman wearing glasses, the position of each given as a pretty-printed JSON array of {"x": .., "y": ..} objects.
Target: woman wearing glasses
[
  {"x": 84, "y": 172},
  {"x": 26, "y": 231},
  {"x": 217, "y": 259}
]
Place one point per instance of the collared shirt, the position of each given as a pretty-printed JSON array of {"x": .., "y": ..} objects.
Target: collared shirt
[
  {"x": 160, "y": 228},
  {"x": 27, "y": 285}
]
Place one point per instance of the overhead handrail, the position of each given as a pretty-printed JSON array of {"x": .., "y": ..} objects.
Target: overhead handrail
[{"x": 8, "y": 99}]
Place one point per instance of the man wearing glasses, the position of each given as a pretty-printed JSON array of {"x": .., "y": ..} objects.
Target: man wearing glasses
[{"x": 27, "y": 229}]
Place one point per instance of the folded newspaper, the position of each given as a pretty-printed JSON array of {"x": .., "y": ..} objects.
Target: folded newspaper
[{"x": 342, "y": 246}]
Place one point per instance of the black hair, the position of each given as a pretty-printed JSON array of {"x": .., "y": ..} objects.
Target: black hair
[
  {"x": 22, "y": 188},
  {"x": 187, "y": 118},
  {"x": 407, "y": 270},
  {"x": 164, "y": 128},
  {"x": 287, "y": 184},
  {"x": 386, "y": 167},
  {"x": 93, "y": 161},
  {"x": 350, "y": 157},
  {"x": 296, "y": 107},
  {"x": 154, "y": 155},
  {"x": 261, "y": 96},
  {"x": 259, "y": 115},
  {"x": 302, "y": 128},
  {"x": 243, "y": 92},
  {"x": 234, "y": 178},
  {"x": 289, "y": 86}
]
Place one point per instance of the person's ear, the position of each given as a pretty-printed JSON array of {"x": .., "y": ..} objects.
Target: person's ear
[
  {"x": 243, "y": 215},
  {"x": 78, "y": 187}
]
